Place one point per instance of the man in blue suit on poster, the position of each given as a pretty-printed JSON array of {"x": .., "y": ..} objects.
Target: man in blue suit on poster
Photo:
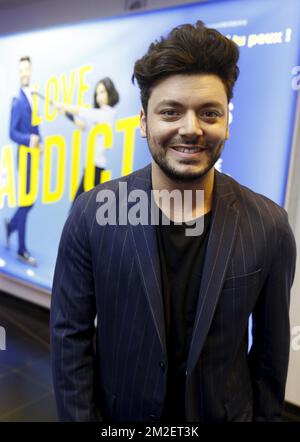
[
  {"x": 23, "y": 133},
  {"x": 173, "y": 308}
]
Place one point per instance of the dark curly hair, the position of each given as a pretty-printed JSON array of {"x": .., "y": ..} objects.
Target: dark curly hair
[
  {"x": 188, "y": 49},
  {"x": 25, "y": 58},
  {"x": 113, "y": 95}
]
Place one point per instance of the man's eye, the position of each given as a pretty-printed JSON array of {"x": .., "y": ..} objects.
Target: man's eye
[
  {"x": 169, "y": 112},
  {"x": 211, "y": 114}
]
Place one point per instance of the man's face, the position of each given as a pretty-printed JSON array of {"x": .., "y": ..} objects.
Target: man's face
[
  {"x": 25, "y": 73},
  {"x": 186, "y": 124}
]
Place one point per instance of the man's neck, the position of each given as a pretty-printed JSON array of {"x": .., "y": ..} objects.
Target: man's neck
[{"x": 160, "y": 181}]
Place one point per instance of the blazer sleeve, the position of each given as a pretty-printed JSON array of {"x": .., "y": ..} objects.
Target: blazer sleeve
[
  {"x": 269, "y": 354},
  {"x": 72, "y": 321},
  {"x": 15, "y": 134}
]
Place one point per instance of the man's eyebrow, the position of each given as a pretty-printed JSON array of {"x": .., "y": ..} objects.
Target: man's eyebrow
[
  {"x": 169, "y": 103},
  {"x": 211, "y": 103}
]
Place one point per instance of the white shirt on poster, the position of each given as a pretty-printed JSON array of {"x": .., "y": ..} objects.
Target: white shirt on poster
[
  {"x": 92, "y": 117},
  {"x": 28, "y": 94}
]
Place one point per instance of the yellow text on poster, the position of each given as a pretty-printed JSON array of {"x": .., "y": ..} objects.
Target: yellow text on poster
[
  {"x": 60, "y": 88},
  {"x": 28, "y": 183},
  {"x": 54, "y": 144},
  {"x": 7, "y": 178}
]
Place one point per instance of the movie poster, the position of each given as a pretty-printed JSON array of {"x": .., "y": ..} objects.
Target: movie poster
[{"x": 70, "y": 115}]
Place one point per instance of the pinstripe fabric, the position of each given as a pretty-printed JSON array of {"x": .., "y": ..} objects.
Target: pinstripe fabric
[{"x": 114, "y": 272}]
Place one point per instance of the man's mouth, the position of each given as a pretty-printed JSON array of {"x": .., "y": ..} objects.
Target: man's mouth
[{"x": 188, "y": 149}]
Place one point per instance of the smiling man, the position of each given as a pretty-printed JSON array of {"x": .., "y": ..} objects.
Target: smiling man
[
  {"x": 23, "y": 133},
  {"x": 173, "y": 310},
  {"x": 186, "y": 130}
]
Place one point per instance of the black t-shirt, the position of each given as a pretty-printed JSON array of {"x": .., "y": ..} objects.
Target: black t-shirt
[{"x": 181, "y": 259}]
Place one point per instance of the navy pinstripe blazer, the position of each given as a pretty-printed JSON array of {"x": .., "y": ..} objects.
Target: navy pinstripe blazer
[
  {"x": 20, "y": 120},
  {"x": 114, "y": 272}
]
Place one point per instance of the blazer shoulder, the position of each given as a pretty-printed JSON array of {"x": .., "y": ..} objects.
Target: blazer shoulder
[
  {"x": 16, "y": 102},
  {"x": 257, "y": 204},
  {"x": 88, "y": 199},
  {"x": 19, "y": 101}
]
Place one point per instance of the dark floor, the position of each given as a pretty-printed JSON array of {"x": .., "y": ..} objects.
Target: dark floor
[
  {"x": 25, "y": 378},
  {"x": 26, "y": 392}
]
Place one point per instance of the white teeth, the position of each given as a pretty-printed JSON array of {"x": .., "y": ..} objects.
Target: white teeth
[{"x": 187, "y": 150}]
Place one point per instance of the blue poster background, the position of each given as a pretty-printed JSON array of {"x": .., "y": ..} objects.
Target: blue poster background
[{"x": 262, "y": 110}]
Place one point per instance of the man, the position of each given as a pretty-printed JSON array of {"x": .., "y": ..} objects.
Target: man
[
  {"x": 23, "y": 133},
  {"x": 173, "y": 309}
]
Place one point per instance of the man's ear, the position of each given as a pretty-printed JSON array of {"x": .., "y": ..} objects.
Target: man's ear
[
  {"x": 143, "y": 124},
  {"x": 227, "y": 133}
]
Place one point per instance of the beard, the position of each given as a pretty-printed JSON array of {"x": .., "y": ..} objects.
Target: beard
[{"x": 212, "y": 154}]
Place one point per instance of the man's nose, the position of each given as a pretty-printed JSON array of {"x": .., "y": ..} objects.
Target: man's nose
[{"x": 190, "y": 125}]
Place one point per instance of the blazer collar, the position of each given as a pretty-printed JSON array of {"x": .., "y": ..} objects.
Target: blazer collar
[
  {"x": 147, "y": 255},
  {"x": 23, "y": 96},
  {"x": 223, "y": 188}
]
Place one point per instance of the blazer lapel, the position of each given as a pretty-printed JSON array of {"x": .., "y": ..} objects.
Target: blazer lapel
[
  {"x": 146, "y": 251},
  {"x": 25, "y": 100},
  {"x": 219, "y": 248}
]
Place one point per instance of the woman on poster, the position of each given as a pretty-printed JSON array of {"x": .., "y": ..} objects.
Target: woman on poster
[{"x": 106, "y": 97}]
